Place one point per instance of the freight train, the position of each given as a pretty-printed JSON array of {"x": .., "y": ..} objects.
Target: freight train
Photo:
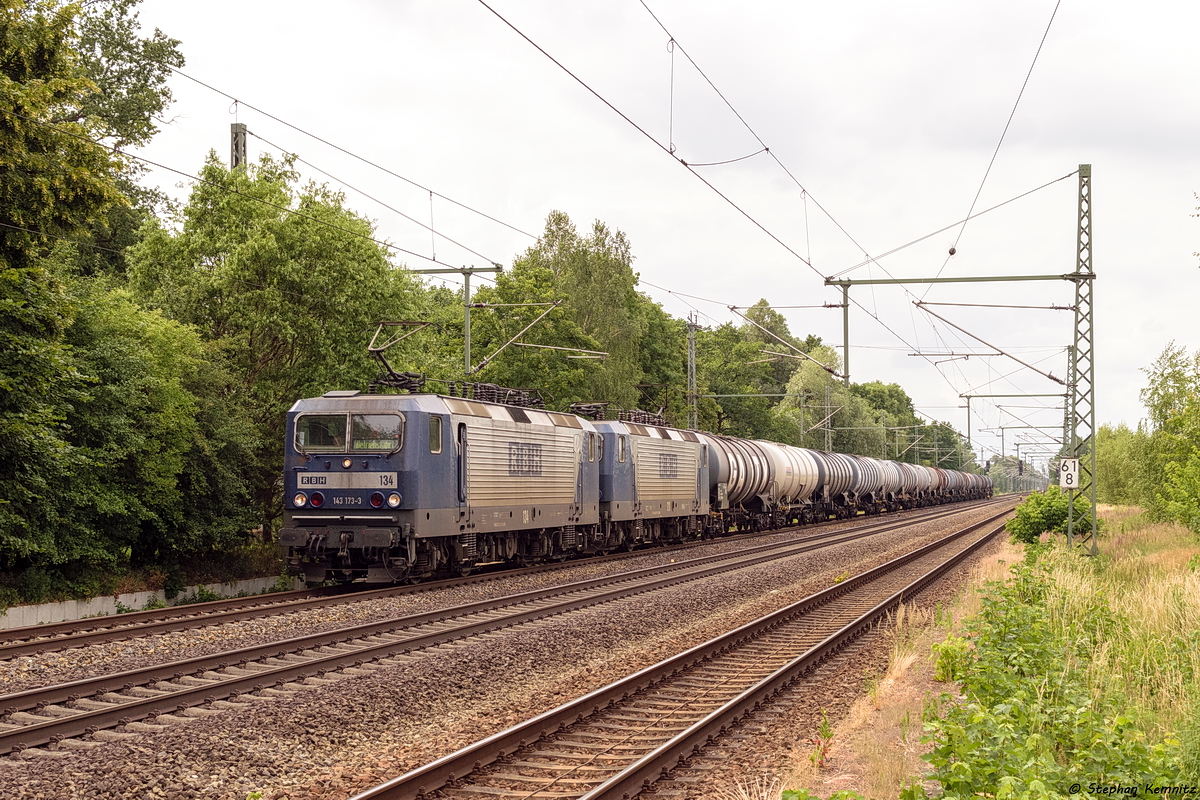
[{"x": 405, "y": 487}]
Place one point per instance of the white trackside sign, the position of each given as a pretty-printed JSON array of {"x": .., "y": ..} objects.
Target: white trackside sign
[{"x": 1068, "y": 473}]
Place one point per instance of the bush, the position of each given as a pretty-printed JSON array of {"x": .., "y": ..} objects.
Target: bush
[
  {"x": 36, "y": 585},
  {"x": 952, "y": 656},
  {"x": 1029, "y": 724},
  {"x": 1047, "y": 511}
]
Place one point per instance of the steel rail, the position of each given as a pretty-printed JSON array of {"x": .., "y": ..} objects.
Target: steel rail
[
  {"x": 131, "y": 619},
  {"x": 646, "y": 771},
  {"x": 36, "y": 639},
  {"x": 216, "y": 685},
  {"x": 66, "y": 692},
  {"x": 455, "y": 766},
  {"x": 29, "y": 640}
]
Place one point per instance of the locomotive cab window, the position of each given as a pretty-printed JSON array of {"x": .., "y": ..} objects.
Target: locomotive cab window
[
  {"x": 621, "y": 449},
  {"x": 377, "y": 431},
  {"x": 435, "y": 434},
  {"x": 321, "y": 433},
  {"x": 591, "y": 447}
]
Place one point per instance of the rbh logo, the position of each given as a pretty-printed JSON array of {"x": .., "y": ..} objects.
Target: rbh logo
[
  {"x": 312, "y": 480},
  {"x": 524, "y": 459},
  {"x": 668, "y": 465}
]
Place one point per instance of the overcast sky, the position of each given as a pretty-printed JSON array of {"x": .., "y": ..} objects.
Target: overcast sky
[{"x": 887, "y": 115}]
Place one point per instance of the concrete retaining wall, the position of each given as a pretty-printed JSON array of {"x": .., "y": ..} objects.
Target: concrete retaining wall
[{"x": 21, "y": 616}]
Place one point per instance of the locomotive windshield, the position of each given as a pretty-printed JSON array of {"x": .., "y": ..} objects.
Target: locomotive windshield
[
  {"x": 321, "y": 433},
  {"x": 326, "y": 433},
  {"x": 376, "y": 431}
]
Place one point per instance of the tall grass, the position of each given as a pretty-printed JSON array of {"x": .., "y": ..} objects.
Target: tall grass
[
  {"x": 761, "y": 787},
  {"x": 1138, "y": 609}
]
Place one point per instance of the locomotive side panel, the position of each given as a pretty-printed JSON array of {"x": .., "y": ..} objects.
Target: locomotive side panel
[
  {"x": 538, "y": 471},
  {"x": 665, "y": 470},
  {"x": 511, "y": 465}
]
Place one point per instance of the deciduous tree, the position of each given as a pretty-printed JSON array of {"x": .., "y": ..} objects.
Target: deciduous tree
[
  {"x": 285, "y": 283},
  {"x": 53, "y": 181}
]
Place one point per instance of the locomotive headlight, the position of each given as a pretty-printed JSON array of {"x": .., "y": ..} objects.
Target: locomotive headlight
[
  {"x": 394, "y": 500},
  {"x": 377, "y": 500},
  {"x": 300, "y": 499},
  {"x": 318, "y": 499},
  {"x": 346, "y": 463}
]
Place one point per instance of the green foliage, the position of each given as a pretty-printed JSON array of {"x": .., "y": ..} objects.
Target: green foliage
[
  {"x": 52, "y": 182},
  {"x": 1172, "y": 454},
  {"x": 1121, "y": 478},
  {"x": 36, "y": 585},
  {"x": 951, "y": 659},
  {"x": 286, "y": 301},
  {"x": 34, "y": 374},
  {"x": 562, "y": 381},
  {"x": 9, "y": 597},
  {"x": 201, "y": 594},
  {"x": 174, "y": 583},
  {"x": 1189, "y": 744},
  {"x": 130, "y": 72},
  {"x": 725, "y": 366},
  {"x": 1180, "y": 497},
  {"x": 92, "y": 406},
  {"x": 1047, "y": 511},
  {"x": 822, "y": 742},
  {"x": 601, "y": 310},
  {"x": 1030, "y": 725},
  {"x": 769, "y": 330},
  {"x": 53, "y": 179},
  {"x": 132, "y": 424}
]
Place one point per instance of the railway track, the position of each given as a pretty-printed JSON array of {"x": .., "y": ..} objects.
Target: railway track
[
  {"x": 37, "y": 639},
  {"x": 172, "y": 693},
  {"x": 618, "y": 740}
]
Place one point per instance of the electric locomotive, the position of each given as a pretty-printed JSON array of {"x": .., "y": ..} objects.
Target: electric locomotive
[{"x": 389, "y": 487}]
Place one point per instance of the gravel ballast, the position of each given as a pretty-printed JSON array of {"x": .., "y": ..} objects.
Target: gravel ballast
[{"x": 333, "y": 739}]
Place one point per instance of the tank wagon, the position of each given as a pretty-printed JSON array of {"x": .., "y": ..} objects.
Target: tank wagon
[{"x": 393, "y": 487}]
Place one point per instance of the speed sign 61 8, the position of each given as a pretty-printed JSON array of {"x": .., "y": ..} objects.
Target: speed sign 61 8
[{"x": 1068, "y": 473}]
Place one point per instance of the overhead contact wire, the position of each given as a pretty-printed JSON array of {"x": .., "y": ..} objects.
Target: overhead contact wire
[
  {"x": 753, "y": 133},
  {"x": 353, "y": 155},
  {"x": 700, "y": 177},
  {"x": 1003, "y": 133},
  {"x": 198, "y": 179},
  {"x": 376, "y": 200},
  {"x": 805, "y": 193},
  {"x": 643, "y": 131}
]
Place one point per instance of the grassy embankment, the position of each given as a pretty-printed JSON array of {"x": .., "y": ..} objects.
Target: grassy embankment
[{"x": 1054, "y": 670}]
